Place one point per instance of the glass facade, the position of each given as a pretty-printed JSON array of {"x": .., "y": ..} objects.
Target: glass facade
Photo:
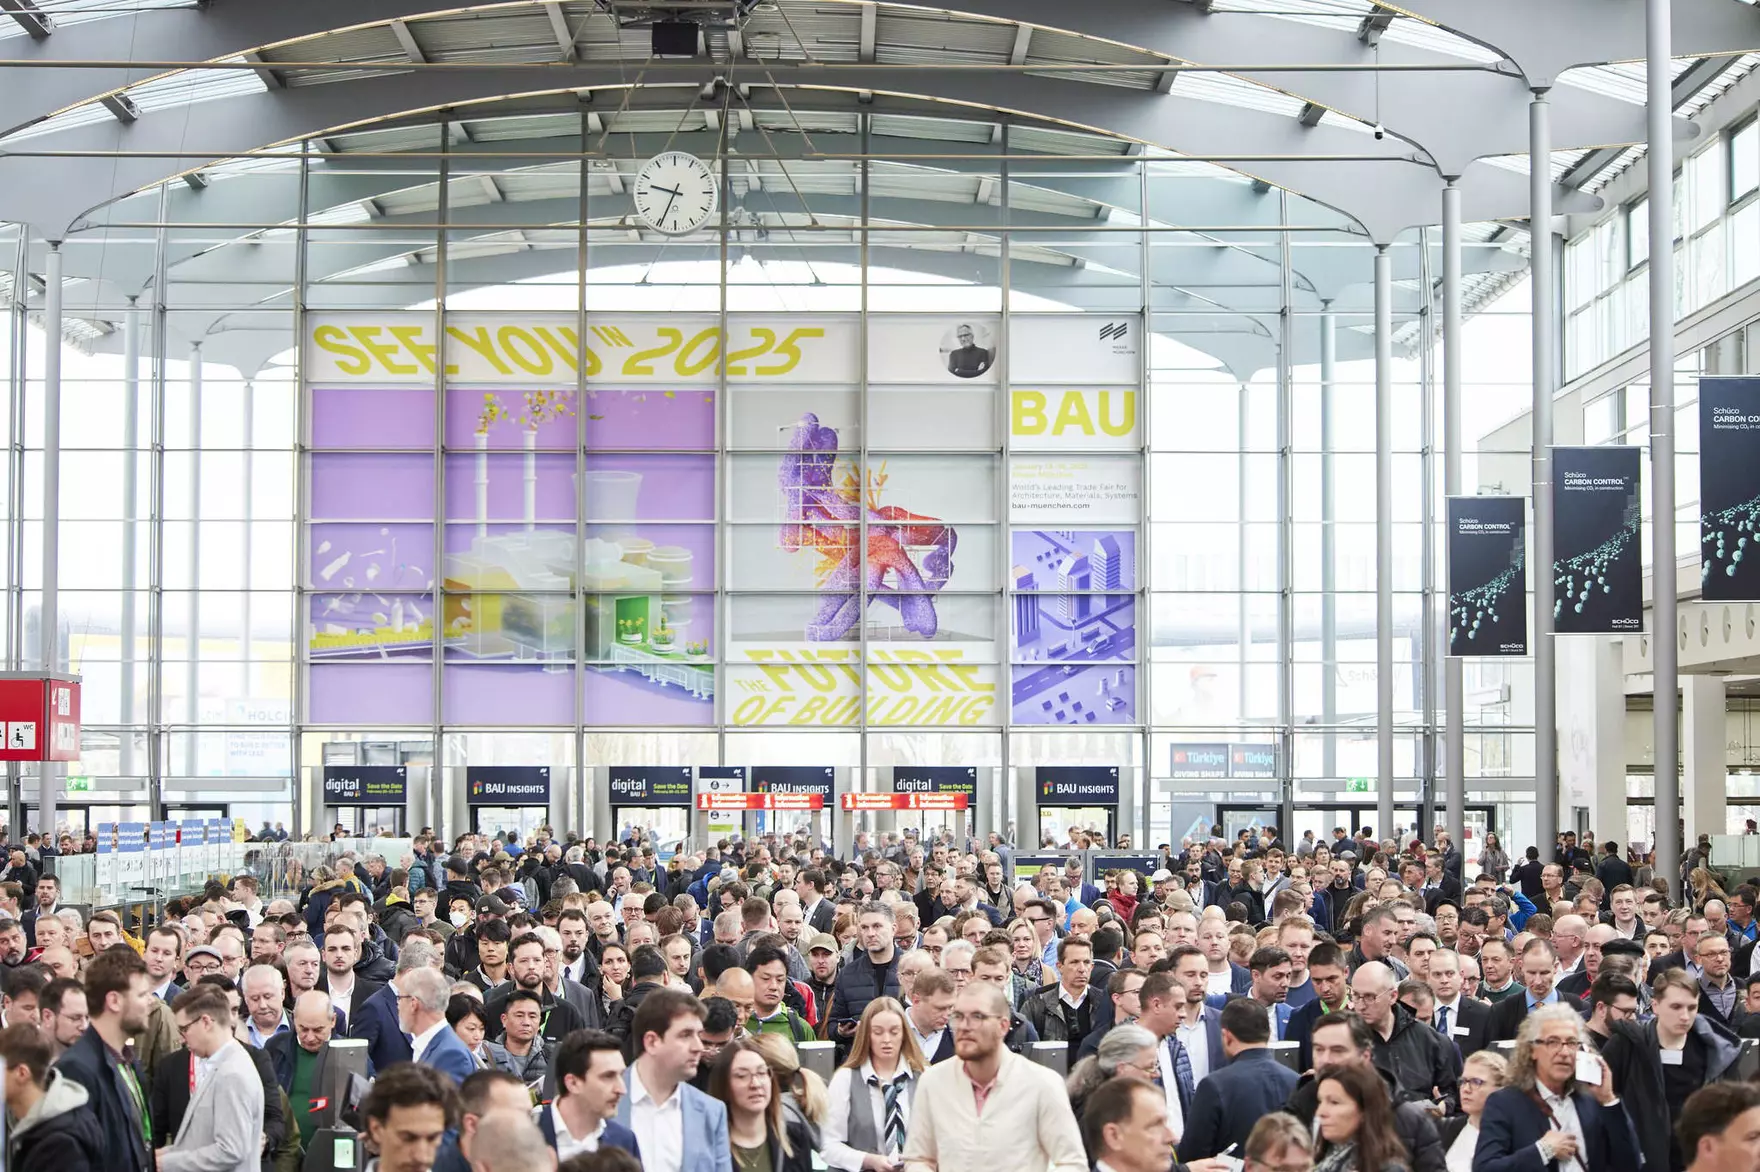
[{"x": 958, "y": 443}]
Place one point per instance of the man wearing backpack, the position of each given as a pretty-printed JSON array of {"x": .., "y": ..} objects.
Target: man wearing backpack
[{"x": 769, "y": 969}]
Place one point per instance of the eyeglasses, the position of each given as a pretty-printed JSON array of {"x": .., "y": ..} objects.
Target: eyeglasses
[
  {"x": 748, "y": 1076},
  {"x": 1038, "y": 919},
  {"x": 972, "y": 1019},
  {"x": 1476, "y": 1083},
  {"x": 1555, "y": 1043}
]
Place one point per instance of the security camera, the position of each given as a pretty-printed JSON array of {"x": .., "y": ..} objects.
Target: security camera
[{"x": 1380, "y": 132}]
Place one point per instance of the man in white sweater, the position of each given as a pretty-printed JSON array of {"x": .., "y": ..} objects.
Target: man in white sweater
[{"x": 988, "y": 1108}]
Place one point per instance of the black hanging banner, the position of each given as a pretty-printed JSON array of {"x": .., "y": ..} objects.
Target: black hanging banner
[
  {"x": 1487, "y": 576},
  {"x": 1597, "y": 580},
  {"x": 1729, "y": 489}
]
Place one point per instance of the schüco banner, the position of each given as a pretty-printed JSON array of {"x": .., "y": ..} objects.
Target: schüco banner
[
  {"x": 1729, "y": 489},
  {"x": 642, "y": 349},
  {"x": 1597, "y": 580},
  {"x": 1487, "y": 576}
]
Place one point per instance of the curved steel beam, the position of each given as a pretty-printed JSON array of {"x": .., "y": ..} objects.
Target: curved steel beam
[
  {"x": 1560, "y": 35},
  {"x": 1386, "y": 196},
  {"x": 1454, "y": 117}
]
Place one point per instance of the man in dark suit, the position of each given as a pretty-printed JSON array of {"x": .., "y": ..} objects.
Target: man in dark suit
[
  {"x": 1539, "y": 965},
  {"x": 307, "y": 1043},
  {"x": 348, "y": 990},
  {"x": 1613, "y": 871},
  {"x": 1251, "y": 1086},
  {"x": 589, "y": 1071},
  {"x": 1439, "y": 885},
  {"x": 1577, "y": 982},
  {"x": 1531, "y": 1128},
  {"x": 47, "y": 902},
  {"x": 1330, "y": 973},
  {"x": 422, "y": 997},
  {"x": 1463, "y": 1020},
  {"x": 820, "y": 912},
  {"x": 119, "y": 994}
]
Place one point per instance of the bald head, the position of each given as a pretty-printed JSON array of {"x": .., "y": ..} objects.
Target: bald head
[
  {"x": 313, "y": 1020},
  {"x": 1569, "y": 933},
  {"x": 508, "y": 1141},
  {"x": 1372, "y": 989}
]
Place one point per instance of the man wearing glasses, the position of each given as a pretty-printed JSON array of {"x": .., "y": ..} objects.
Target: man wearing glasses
[
  {"x": 1720, "y": 995},
  {"x": 223, "y": 1125},
  {"x": 1575, "y": 1127},
  {"x": 1539, "y": 969},
  {"x": 1612, "y": 998},
  {"x": 989, "y": 1108}
]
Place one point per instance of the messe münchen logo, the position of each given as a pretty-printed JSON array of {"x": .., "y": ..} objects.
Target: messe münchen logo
[{"x": 1114, "y": 331}]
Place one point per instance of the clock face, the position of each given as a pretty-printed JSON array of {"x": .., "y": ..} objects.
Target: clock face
[{"x": 675, "y": 193}]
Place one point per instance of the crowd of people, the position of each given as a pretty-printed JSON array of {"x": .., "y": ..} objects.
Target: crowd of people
[{"x": 1339, "y": 1005}]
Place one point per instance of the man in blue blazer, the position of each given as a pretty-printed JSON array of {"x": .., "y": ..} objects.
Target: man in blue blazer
[
  {"x": 421, "y": 1002},
  {"x": 1231, "y": 1100},
  {"x": 1544, "y": 1119},
  {"x": 376, "y": 1020},
  {"x": 667, "y": 1033},
  {"x": 589, "y": 1071}
]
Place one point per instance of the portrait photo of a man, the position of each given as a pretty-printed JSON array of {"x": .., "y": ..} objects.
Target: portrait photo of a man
[{"x": 968, "y": 359}]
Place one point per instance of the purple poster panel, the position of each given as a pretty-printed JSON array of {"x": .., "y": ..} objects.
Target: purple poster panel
[
  {"x": 1074, "y": 645},
  {"x": 509, "y": 565}
]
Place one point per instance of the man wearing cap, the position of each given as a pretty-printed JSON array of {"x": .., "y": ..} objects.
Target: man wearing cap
[
  {"x": 461, "y": 946},
  {"x": 822, "y": 956}
]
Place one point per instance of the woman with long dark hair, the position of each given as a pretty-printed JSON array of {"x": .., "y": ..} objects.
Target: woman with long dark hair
[{"x": 1355, "y": 1119}]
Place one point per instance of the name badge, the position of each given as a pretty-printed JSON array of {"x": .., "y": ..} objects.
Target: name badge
[
  {"x": 1672, "y": 1057},
  {"x": 1460, "y": 1031}
]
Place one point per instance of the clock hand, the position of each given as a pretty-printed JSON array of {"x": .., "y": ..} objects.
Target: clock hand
[
  {"x": 669, "y": 202},
  {"x": 668, "y": 190}
]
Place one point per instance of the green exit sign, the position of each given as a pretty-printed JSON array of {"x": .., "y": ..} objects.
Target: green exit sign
[
  {"x": 1357, "y": 785},
  {"x": 79, "y": 785}
]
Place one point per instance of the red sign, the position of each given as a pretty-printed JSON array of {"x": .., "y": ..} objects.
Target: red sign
[
  {"x": 874, "y": 801},
  {"x": 39, "y": 718},
  {"x": 725, "y": 802},
  {"x": 869, "y": 801}
]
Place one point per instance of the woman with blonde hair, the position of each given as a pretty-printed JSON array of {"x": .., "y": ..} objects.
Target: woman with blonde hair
[
  {"x": 1024, "y": 943},
  {"x": 803, "y": 1091},
  {"x": 1483, "y": 1073},
  {"x": 1705, "y": 886},
  {"x": 871, "y": 1094}
]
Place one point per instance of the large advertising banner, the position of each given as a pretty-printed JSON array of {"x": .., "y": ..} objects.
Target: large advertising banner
[
  {"x": 561, "y": 512},
  {"x": 1597, "y": 577},
  {"x": 1729, "y": 488},
  {"x": 1487, "y": 576}
]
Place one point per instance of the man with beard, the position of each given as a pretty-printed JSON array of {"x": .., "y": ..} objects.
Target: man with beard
[
  {"x": 578, "y": 965},
  {"x": 526, "y": 964},
  {"x": 120, "y": 992}
]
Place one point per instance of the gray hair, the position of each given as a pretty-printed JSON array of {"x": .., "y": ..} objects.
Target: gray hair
[
  {"x": 550, "y": 936},
  {"x": 418, "y": 954},
  {"x": 1521, "y": 1062},
  {"x": 1277, "y": 1131},
  {"x": 875, "y": 908},
  {"x": 1121, "y": 1044},
  {"x": 428, "y": 987},
  {"x": 574, "y": 854},
  {"x": 261, "y": 972},
  {"x": 562, "y": 885},
  {"x": 960, "y": 948}
]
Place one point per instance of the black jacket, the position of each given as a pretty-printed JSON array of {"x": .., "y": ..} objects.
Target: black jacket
[
  {"x": 1050, "y": 1018},
  {"x": 461, "y": 951},
  {"x": 1418, "y": 1058},
  {"x": 1474, "y": 1017},
  {"x": 1416, "y": 1127},
  {"x": 1527, "y": 875},
  {"x": 859, "y": 982},
  {"x": 559, "y": 1017},
  {"x": 89, "y": 1063},
  {"x": 623, "y": 1016},
  {"x": 1507, "y": 1015},
  {"x": 63, "y": 1137},
  {"x": 1635, "y": 1057},
  {"x": 1613, "y": 871}
]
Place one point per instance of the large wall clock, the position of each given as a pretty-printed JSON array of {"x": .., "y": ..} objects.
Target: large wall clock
[{"x": 675, "y": 193}]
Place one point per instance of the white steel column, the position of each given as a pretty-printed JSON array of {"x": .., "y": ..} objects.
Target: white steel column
[
  {"x": 192, "y": 641},
  {"x": 1328, "y": 549},
  {"x": 1454, "y": 752},
  {"x": 1659, "y": 110},
  {"x": 49, "y": 624},
  {"x": 1544, "y": 288},
  {"x": 131, "y": 422},
  {"x": 1706, "y": 808},
  {"x": 1383, "y": 542}
]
